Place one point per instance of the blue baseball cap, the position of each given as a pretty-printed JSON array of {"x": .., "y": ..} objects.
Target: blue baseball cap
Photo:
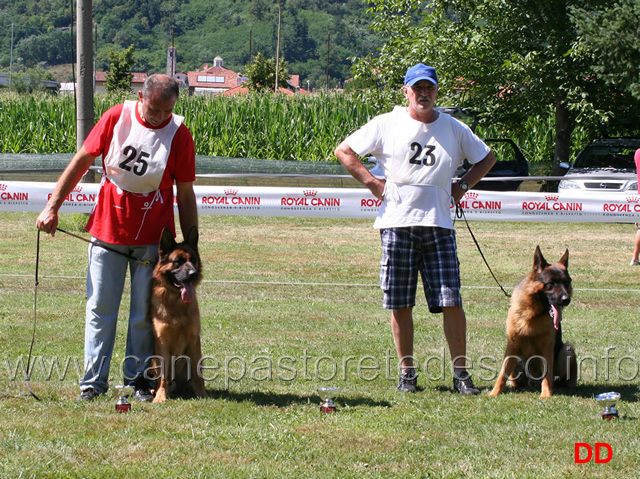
[{"x": 420, "y": 72}]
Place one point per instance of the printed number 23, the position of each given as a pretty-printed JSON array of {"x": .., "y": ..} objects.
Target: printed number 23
[
  {"x": 140, "y": 163},
  {"x": 429, "y": 158}
]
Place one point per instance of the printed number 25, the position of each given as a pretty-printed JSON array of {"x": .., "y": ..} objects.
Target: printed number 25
[
  {"x": 140, "y": 163},
  {"x": 429, "y": 158}
]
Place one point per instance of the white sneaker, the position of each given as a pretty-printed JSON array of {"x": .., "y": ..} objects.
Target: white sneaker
[{"x": 634, "y": 262}]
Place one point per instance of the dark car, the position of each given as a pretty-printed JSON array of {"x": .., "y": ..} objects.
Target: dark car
[{"x": 510, "y": 163}]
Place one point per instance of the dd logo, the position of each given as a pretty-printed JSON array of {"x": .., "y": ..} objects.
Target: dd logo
[{"x": 597, "y": 447}]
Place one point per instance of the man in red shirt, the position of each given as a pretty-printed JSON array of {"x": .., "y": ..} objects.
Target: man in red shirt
[{"x": 145, "y": 150}]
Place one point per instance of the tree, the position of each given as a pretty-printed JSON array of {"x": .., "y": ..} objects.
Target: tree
[
  {"x": 609, "y": 38},
  {"x": 262, "y": 74},
  {"x": 119, "y": 75},
  {"x": 259, "y": 9},
  {"x": 30, "y": 80},
  {"x": 54, "y": 46},
  {"x": 509, "y": 60},
  {"x": 297, "y": 45}
]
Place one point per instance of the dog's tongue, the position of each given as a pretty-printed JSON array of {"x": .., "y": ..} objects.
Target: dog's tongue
[
  {"x": 187, "y": 292},
  {"x": 556, "y": 314}
]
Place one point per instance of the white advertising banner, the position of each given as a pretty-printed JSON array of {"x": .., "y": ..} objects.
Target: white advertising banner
[{"x": 478, "y": 205}]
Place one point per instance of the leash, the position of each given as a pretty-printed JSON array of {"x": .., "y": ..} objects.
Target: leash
[
  {"x": 144, "y": 263},
  {"x": 460, "y": 214},
  {"x": 35, "y": 295},
  {"x": 35, "y": 318}
]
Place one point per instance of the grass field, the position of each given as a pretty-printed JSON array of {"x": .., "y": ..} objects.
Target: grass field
[{"x": 290, "y": 305}]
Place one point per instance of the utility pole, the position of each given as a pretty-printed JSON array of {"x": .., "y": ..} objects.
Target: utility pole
[
  {"x": 278, "y": 45},
  {"x": 11, "y": 61},
  {"x": 173, "y": 46},
  {"x": 328, "y": 49},
  {"x": 95, "y": 54},
  {"x": 84, "y": 92}
]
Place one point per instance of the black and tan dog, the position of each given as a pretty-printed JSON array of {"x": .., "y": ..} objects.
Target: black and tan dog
[
  {"x": 535, "y": 352},
  {"x": 176, "y": 317}
]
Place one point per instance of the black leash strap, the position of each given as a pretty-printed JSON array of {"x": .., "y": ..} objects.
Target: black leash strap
[
  {"x": 460, "y": 214},
  {"x": 144, "y": 263},
  {"x": 35, "y": 295},
  {"x": 35, "y": 317}
]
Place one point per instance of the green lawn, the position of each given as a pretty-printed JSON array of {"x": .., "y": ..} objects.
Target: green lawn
[{"x": 290, "y": 305}]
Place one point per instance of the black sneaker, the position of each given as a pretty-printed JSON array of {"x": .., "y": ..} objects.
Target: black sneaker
[
  {"x": 142, "y": 391},
  {"x": 463, "y": 384},
  {"x": 408, "y": 381},
  {"x": 88, "y": 394}
]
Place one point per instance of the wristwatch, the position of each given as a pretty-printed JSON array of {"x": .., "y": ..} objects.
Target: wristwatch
[{"x": 464, "y": 186}]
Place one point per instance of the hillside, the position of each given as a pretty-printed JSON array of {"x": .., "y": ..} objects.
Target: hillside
[{"x": 314, "y": 33}]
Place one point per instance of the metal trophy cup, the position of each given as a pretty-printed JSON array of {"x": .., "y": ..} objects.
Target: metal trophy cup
[
  {"x": 609, "y": 400},
  {"x": 329, "y": 394},
  {"x": 123, "y": 392}
]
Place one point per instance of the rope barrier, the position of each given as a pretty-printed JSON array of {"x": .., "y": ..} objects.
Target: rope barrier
[{"x": 289, "y": 283}]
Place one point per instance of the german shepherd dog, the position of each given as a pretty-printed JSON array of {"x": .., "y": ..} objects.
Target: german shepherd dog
[
  {"x": 535, "y": 352},
  {"x": 175, "y": 316}
]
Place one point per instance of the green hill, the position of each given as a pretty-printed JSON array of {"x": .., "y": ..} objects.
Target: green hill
[{"x": 314, "y": 34}]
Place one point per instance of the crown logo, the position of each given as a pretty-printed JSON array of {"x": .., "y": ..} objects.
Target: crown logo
[
  {"x": 472, "y": 195},
  {"x": 3, "y": 187},
  {"x": 633, "y": 199},
  {"x": 77, "y": 189},
  {"x": 552, "y": 197},
  {"x": 310, "y": 192},
  {"x": 231, "y": 191}
]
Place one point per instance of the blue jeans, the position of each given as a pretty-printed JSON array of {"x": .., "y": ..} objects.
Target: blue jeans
[{"x": 105, "y": 284}]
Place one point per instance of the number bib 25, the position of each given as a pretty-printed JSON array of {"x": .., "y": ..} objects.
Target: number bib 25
[{"x": 138, "y": 155}]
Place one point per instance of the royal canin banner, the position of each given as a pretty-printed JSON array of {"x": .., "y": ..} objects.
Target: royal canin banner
[{"x": 478, "y": 205}]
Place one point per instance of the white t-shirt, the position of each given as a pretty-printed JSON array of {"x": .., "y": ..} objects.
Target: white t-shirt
[{"x": 419, "y": 161}]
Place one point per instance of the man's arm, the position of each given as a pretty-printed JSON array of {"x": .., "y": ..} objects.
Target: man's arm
[
  {"x": 47, "y": 221},
  {"x": 473, "y": 176},
  {"x": 354, "y": 166},
  {"x": 187, "y": 207}
]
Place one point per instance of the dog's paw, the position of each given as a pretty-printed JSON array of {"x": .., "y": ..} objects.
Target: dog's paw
[{"x": 159, "y": 397}]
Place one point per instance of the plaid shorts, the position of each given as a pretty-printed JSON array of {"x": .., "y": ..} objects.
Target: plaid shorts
[{"x": 430, "y": 250}]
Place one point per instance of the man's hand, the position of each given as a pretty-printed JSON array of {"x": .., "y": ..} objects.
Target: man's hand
[
  {"x": 47, "y": 221},
  {"x": 348, "y": 158}
]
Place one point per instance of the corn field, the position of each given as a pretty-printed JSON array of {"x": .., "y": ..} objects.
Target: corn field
[{"x": 302, "y": 127}]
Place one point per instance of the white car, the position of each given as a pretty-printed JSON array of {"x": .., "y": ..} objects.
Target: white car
[{"x": 603, "y": 167}]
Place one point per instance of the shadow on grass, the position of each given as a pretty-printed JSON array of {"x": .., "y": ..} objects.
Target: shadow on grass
[
  {"x": 283, "y": 400},
  {"x": 628, "y": 392}
]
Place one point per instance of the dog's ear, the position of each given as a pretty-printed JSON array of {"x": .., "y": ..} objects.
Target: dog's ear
[
  {"x": 564, "y": 261},
  {"x": 539, "y": 263},
  {"x": 167, "y": 242},
  {"x": 192, "y": 237}
]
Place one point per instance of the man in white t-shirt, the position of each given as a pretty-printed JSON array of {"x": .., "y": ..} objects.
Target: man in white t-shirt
[{"x": 419, "y": 150}]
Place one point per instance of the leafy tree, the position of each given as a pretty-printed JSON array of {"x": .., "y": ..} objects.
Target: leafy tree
[
  {"x": 259, "y": 9},
  {"x": 510, "y": 60},
  {"x": 30, "y": 80},
  {"x": 297, "y": 45},
  {"x": 54, "y": 47},
  {"x": 609, "y": 38},
  {"x": 200, "y": 30},
  {"x": 119, "y": 75},
  {"x": 262, "y": 73}
]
